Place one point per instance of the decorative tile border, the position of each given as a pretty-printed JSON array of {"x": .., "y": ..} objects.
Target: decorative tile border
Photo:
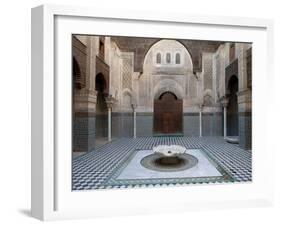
[{"x": 113, "y": 181}]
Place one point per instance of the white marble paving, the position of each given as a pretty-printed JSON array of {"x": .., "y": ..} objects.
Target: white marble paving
[{"x": 134, "y": 170}]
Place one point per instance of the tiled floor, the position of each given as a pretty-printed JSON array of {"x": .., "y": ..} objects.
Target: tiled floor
[{"x": 99, "y": 169}]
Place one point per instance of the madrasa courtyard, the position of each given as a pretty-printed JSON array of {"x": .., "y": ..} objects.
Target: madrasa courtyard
[{"x": 134, "y": 96}]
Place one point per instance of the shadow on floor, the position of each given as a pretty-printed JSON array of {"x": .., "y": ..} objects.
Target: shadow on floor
[{"x": 25, "y": 212}]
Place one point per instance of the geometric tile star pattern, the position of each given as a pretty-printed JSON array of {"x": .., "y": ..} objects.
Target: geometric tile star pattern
[{"x": 97, "y": 169}]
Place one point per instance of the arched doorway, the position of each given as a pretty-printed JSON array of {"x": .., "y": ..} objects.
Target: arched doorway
[
  {"x": 101, "y": 111},
  {"x": 168, "y": 115},
  {"x": 232, "y": 108}
]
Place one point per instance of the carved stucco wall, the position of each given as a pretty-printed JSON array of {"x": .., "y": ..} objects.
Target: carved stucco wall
[
  {"x": 127, "y": 70},
  {"x": 166, "y": 76},
  {"x": 168, "y": 85},
  {"x": 144, "y": 85},
  {"x": 126, "y": 81},
  {"x": 116, "y": 64},
  {"x": 156, "y": 78},
  {"x": 140, "y": 47},
  {"x": 192, "y": 89},
  {"x": 208, "y": 70}
]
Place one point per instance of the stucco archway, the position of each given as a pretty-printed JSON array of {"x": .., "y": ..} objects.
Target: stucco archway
[{"x": 168, "y": 85}]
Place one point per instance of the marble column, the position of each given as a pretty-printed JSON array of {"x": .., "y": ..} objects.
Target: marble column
[
  {"x": 224, "y": 103},
  {"x": 134, "y": 106},
  {"x": 109, "y": 102},
  {"x": 109, "y": 124},
  {"x": 200, "y": 119}
]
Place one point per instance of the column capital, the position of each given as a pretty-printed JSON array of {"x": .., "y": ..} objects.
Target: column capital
[
  {"x": 110, "y": 100},
  {"x": 134, "y": 102},
  {"x": 224, "y": 101},
  {"x": 134, "y": 106}
]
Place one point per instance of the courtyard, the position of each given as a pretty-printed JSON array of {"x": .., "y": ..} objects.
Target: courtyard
[
  {"x": 101, "y": 168},
  {"x": 132, "y": 96}
]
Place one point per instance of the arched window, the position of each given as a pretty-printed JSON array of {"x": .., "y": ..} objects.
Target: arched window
[
  {"x": 158, "y": 58},
  {"x": 178, "y": 58},
  {"x": 168, "y": 58}
]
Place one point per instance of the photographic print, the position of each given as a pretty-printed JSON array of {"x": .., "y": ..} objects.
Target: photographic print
[{"x": 152, "y": 112}]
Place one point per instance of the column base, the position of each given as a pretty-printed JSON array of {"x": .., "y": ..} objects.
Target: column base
[
  {"x": 83, "y": 132},
  {"x": 245, "y": 130}
]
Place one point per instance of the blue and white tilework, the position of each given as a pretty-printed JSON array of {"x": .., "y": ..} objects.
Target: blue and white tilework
[{"x": 100, "y": 168}]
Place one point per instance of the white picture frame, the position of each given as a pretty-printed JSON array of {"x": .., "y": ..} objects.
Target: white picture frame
[{"x": 52, "y": 197}]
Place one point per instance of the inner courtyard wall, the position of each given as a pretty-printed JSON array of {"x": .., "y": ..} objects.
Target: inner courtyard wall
[{"x": 131, "y": 90}]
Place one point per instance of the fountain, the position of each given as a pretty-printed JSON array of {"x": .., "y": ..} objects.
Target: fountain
[{"x": 169, "y": 158}]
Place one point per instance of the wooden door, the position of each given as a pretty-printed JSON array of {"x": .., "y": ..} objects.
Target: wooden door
[{"x": 168, "y": 114}]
